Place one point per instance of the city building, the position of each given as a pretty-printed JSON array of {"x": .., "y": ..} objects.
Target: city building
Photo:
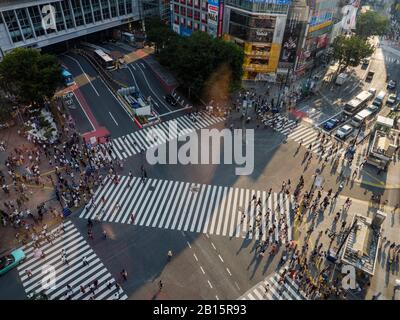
[
  {"x": 258, "y": 27},
  {"x": 318, "y": 34},
  {"x": 295, "y": 29},
  {"x": 42, "y": 23},
  {"x": 188, "y": 16}
]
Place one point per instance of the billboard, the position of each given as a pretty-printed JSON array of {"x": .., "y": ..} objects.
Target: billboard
[{"x": 212, "y": 14}]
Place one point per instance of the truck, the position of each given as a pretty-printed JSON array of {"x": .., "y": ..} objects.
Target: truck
[{"x": 383, "y": 143}]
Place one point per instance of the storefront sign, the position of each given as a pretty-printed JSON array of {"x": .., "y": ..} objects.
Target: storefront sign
[
  {"x": 212, "y": 15},
  {"x": 262, "y": 33}
]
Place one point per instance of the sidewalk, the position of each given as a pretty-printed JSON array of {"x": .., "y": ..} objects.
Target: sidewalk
[{"x": 37, "y": 193}]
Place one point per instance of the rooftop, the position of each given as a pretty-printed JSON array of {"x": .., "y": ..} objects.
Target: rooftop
[{"x": 362, "y": 245}]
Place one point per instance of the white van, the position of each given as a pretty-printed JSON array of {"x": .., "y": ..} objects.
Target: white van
[{"x": 379, "y": 99}]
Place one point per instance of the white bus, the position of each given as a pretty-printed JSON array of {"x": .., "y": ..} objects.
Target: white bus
[
  {"x": 104, "y": 59},
  {"x": 362, "y": 116},
  {"x": 356, "y": 104}
]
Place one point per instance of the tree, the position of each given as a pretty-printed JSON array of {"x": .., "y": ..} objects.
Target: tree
[
  {"x": 159, "y": 33},
  {"x": 350, "y": 51},
  {"x": 371, "y": 23},
  {"x": 29, "y": 76}
]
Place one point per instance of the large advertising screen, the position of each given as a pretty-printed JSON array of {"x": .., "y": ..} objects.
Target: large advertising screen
[{"x": 291, "y": 39}]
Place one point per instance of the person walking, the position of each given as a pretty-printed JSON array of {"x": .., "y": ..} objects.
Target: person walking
[
  {"x": 160, "y": 285},
  {"x": 84, "y": 261},
  {"x": 124, "y": 274},
  {"x": 169, "y": 255}
]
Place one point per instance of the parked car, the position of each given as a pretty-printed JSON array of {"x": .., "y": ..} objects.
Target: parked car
[
  {"x": 170, "y": 99},
  {"x": 344, "y": 131},
  {"x": 365, "y": 62},
  {"x": 395, "y": 107},
  {"x": 391, "y": 99},
  {"x": 370, "y": 75},
  {"x": 331, "y": 123},
  {"x": 391, "y": 85},
  {"x": 9, "y": 261}
]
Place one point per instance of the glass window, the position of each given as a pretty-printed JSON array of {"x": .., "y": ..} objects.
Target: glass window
[
  {"x": 59, "y": 18},
  {"x": 197, "y": 15},
  {"x": 96, "y": 10},
  {"x": 121, "y": 6},
  {"x": 176, "y": 8},
  {"x": 87, "y": 10},
  {"x": 67, "y": 14},
  {"x": 36, "y": 21},
  {"x": 189, "y": 12},
  {"x": 129, "y": 6},
  {"x": 76, "y": 7},
  {"x": 183, "y": 11},
  {"x": 12, "y": 25},
  {"x": 197, "y": 3},
  {"x": 25, "y": 24},
  {"x": 106, "y": 9},
  {"x": 113, "y": 4}
]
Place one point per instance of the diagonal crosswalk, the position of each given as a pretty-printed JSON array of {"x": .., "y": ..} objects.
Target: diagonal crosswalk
[
  {"x": 133, "y": 143},
  {"x": 200, "y": 208},
  {"x": 271, "y": 289},
  {"x": 51, "y": 275},
  {"x": 305, "y": 135}
]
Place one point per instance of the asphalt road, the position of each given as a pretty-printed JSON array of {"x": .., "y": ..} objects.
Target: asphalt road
[{"x": 105, "y": 107}]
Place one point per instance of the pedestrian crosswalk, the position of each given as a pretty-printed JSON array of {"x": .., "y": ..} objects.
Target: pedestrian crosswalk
[
  {"x": 133, "y": 143},
  {"x": 271, "y": 289},
  {"x": 392, "y": 59},
  {"x": 306, "y": 135},
  {"x": 201, "y": 208},
  {"x": 51, "y": 274}
]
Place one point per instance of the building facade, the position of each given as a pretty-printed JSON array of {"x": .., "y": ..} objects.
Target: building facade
[
  {"x": 46, "y": 22},
  {"x": 188, "y": 16},
  {"x": 295, "y": 30},
  {"x": 258, "y": 27},
  {"x": 318, "y": 33}
]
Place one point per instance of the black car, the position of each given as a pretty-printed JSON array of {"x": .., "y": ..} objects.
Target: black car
[{"x": 170, "y": 99}]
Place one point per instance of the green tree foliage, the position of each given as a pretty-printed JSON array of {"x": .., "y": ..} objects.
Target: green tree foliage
[
  {"x": 194, "y": 59},
  {"x": 159, "y": 33},
  {"x": 350, "y": 51},
  {"x": 29, "y": 76},
  {"x": 371, "y": 23}
]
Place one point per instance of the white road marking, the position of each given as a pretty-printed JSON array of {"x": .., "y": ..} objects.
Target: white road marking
[
  {"x": 189, "y": 245},
  {"x": 227, "y": 269},
  {"x": 133, "y": 76},
  {"x": 216, "y": 297},
  {"x": 93, "y": 128},
  {"x": 113, "y": 118},
  {"x": 209, "y": 283},
  {"x": 195, "y": 257},
  {"x": 142, "y": 65},
  {"x": 220, "y": 258},
  {"x": 151, "y": 89},
  {"x": 237, "y": 286},
  {"x": 84, "y": 73},
  {"x": 213, "y": 246},
  {"x": 202, "y": 270}
]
